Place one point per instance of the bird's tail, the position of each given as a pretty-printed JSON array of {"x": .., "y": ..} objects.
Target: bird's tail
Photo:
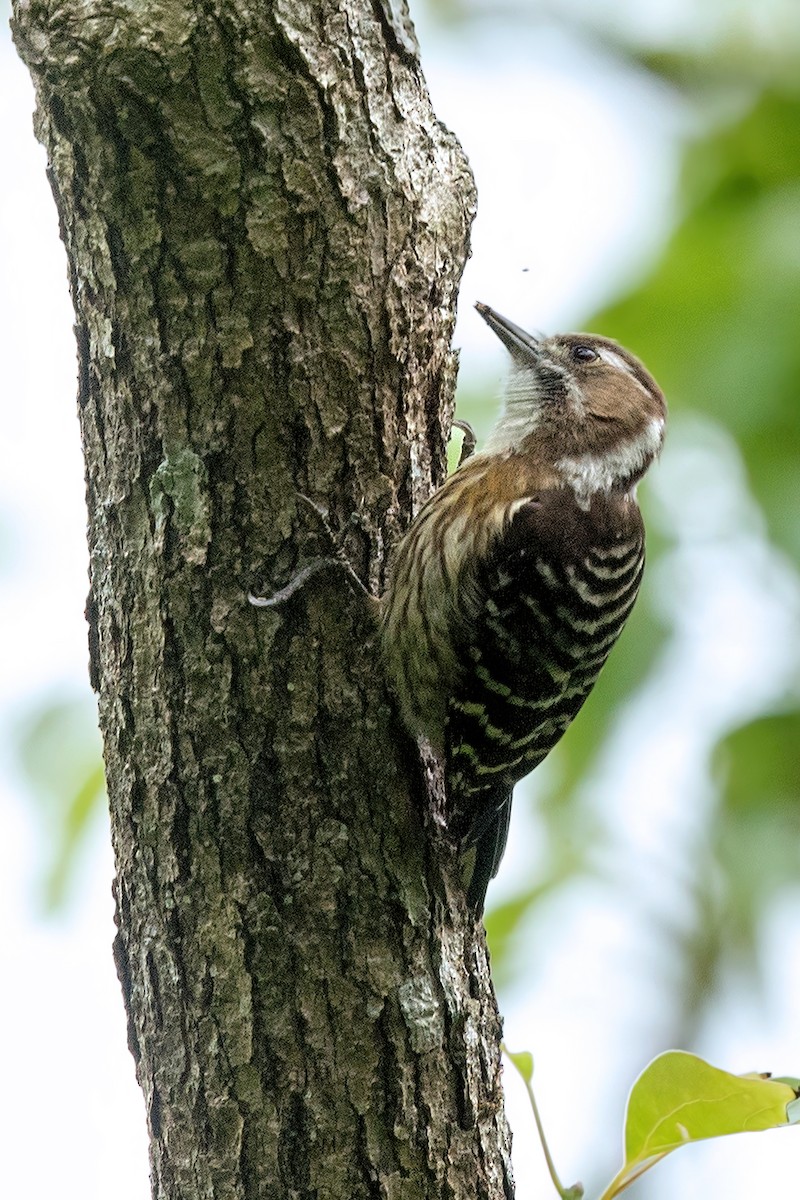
[{"x": 485, "y": 846}]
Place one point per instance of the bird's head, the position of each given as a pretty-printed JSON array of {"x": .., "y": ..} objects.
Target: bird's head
[{"x": 580, "y": 403}]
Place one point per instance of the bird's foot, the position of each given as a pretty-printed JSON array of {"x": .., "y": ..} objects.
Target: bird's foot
[{"x": 336, "y": 561}]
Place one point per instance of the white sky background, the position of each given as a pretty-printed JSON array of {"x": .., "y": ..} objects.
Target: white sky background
[{"x": 575, "y": 162}]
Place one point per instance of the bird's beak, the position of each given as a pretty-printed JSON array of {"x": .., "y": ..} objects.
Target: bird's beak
[{"x": 523, "y": 346}]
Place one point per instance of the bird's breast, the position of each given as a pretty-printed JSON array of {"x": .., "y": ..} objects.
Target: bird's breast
[{"x": 556, "y": 593}]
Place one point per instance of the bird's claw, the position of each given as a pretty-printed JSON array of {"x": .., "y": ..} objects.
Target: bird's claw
[{"x": 470, "y": 441}]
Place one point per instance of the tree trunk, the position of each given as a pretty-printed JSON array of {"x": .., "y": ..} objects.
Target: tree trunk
[{"x": 266, "y": 226}]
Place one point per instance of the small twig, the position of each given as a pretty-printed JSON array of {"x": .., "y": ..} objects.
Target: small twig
[{"x": 575, "y": 1192}]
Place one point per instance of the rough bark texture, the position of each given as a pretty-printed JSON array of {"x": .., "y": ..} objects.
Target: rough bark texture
[{"x": 266, "y": 226}]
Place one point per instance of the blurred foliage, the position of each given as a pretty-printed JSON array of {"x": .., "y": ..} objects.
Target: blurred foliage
[
  {"x": 758, "y": 832},
  {"x": 727, "y": 295},
  {"x": 717, "y": 321},
  {"x": 60, "y": 755}
]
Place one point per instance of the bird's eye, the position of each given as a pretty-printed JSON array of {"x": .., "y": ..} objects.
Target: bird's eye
[{"x": 583, "y": 354}]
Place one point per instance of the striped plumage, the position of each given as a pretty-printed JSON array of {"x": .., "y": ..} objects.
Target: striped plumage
[{"x": 514, "y": 581}]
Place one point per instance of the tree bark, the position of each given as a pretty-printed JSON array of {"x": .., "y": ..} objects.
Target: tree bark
[{"x": 265, "y": 226}]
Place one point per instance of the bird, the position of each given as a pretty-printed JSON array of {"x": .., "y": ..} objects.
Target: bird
[{"x": 513, "y": 582}]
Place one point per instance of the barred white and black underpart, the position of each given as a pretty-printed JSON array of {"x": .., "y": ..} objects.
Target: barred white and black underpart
[{"x": 547, "y": 628}]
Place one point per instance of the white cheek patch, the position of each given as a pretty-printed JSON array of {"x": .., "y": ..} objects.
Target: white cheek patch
[
  {"x": 613, "y": 359},
  {"x": 619, "y": 364},
  {"x": 590, "y": 473}
]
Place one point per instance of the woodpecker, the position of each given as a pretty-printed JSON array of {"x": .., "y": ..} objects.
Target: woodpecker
[{"x": 515, "y": 579}]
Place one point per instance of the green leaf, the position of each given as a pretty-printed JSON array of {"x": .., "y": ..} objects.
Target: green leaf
[
  {"x": 58, "y": 747},
  {"x": 679, "y": 1098},
  {"x": 523, "y": 1061},
  {"x": 79, "y": 811}
]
